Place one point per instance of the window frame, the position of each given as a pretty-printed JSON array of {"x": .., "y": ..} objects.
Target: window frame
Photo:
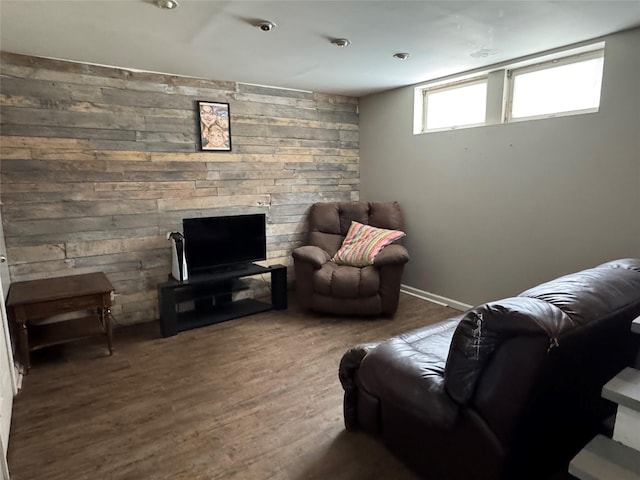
[
  {"x": 512, "y": 73},
  {"x": 465, "y": 82},
  {"x": 499, "y": 79}
]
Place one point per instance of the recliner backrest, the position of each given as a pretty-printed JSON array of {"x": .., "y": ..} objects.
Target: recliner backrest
[{"x": 330, "y": 221}]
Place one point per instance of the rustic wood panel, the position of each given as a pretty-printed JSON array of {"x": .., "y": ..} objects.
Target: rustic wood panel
[{"x": 99, "y": 163}]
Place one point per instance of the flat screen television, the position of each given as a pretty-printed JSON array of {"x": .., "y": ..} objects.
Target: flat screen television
[{"x": 216, "y": 243}]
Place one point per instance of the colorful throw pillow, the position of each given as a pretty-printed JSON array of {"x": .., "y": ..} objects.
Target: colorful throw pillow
[{"x": 363, "y": 243}]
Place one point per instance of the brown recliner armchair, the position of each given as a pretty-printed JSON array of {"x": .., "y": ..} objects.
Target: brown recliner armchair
[{"x": 324, "y": 286}]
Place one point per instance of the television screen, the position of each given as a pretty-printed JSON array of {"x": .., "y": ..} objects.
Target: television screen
[{"x": 214, "y": 242}]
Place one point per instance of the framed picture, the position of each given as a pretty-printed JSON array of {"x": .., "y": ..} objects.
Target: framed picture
[{"x": 215, "y": 126}]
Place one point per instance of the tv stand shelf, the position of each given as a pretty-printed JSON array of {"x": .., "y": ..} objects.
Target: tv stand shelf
[{"x": 210, "y": 296}]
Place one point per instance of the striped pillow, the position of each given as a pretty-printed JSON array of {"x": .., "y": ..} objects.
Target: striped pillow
[{"x": 363, "y": 243}]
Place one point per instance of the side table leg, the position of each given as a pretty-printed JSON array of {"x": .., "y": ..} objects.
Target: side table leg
[
  {"x": 105, "y": 318},
  {"x": 19, "y": 321},
  {"x": 24, "y": 346}
]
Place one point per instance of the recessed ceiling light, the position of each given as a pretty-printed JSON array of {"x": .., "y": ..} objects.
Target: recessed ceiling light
[
  {"x": 266, "y": 25},
  {"x": 401, "y": 55},
  {"x": 167, "y": 4},
  {"x": 341, "y": 42}
]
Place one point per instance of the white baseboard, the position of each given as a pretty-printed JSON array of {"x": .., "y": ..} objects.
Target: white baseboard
[{"x": 432, "y": 297}]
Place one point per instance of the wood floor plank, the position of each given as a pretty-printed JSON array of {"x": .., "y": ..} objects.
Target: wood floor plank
[{"x": 250, "y": 399}]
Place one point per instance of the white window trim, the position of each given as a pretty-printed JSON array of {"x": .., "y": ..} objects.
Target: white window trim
[
  {"x": 450, "y": 86},
  {"x": 514, "y": 72},
  {"x": 499, "y": 86},
  {"x": 567, "y": 113}
]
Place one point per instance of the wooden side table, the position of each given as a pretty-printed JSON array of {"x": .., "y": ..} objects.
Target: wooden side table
[{"x": 30, "y": 303}]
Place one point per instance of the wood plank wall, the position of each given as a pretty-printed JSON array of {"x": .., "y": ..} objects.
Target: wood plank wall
[{"x": 98, "y": 164}]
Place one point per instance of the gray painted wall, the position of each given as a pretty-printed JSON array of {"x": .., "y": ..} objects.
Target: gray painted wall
[{"x": 493, "y": 210}]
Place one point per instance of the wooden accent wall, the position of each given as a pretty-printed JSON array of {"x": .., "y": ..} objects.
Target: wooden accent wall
[{"x": 98, "y": 164}]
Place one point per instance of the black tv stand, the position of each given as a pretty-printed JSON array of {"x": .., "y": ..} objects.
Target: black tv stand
[
  {"x": 237, "y": 267},
  {"x": 209, "y": 297}
]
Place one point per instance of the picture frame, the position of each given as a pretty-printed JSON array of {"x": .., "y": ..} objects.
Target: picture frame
[{"x": 214, "y": 119}]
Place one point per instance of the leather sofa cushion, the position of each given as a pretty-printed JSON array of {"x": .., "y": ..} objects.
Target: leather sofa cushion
[
  {"x": 628, "y": 263},
  {"x": 592, "y": 294},
  {"x": 408, "y": 370}
]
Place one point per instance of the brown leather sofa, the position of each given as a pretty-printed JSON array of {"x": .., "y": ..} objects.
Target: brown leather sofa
[
  {"x": 325, "y": 286},
  {"x": 508, "y": 390}
]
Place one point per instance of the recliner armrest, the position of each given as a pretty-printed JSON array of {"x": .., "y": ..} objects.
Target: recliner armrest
[
  {"x": 391, "y": 255},
  {"x": 311, "y": 254}
]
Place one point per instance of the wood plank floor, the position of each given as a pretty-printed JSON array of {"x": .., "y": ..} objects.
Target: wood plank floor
[{"x": 252, "y": 398}]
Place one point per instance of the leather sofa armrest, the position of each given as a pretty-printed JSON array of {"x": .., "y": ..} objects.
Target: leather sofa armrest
[
  {"x": 351, "y": 362},
  {"x": 311, "y": 254},
  {"x": 391, "y": 255},
  {"x": 349, "y": 366},
  {"x": 411, "y": 378}
]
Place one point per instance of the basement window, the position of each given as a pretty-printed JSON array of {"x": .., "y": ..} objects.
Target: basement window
[
  {"x": 543, "y": 86},
  {"x": 462, "y": 104},
  {"x": 565, "y": 86}
]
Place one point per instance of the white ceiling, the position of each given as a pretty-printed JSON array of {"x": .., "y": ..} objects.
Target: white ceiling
[{"x": 218, "y": 40}]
